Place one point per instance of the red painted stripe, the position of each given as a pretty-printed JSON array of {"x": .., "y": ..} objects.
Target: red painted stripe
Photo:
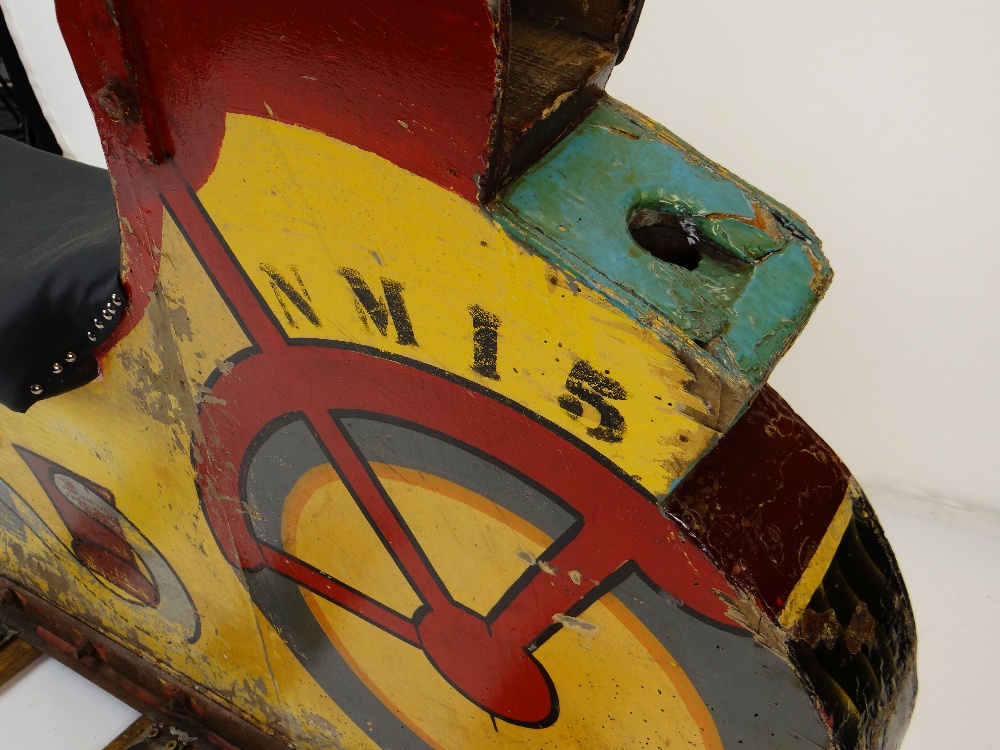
[{"x": 341, "y": 595}]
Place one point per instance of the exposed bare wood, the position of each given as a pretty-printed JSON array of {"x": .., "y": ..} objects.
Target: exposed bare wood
[
  {"x": 134, "y": 731},
  {"x": 546, "y": 62},
  {"x": 555, "y": 76},
  {"x": 600, "y": 19},
  {"x": 15, "y": 655}
]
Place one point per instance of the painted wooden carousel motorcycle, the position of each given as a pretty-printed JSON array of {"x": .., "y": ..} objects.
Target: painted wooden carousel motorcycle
[{"x": 426, "y": 408}]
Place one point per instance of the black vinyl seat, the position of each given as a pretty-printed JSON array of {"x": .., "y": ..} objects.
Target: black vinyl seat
[{"x": 60, "y": 292}]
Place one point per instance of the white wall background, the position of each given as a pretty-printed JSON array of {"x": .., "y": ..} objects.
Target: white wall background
[
  {"x": 879, "y": 122},
  {"x": 32, "y": 24}
]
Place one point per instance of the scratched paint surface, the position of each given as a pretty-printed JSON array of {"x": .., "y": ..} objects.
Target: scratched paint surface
[
  {"x": 358, "y": 232},
  {"x": 567, "y": 416},
  {"x": 200, "y": 62},
  {"x": 745, "y": 307},
  {"x": 127, "y": 433},
  {"x": 374, "y": 465}
]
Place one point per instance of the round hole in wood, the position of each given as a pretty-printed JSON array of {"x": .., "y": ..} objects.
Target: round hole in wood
[{"x": 670, "y": 237}]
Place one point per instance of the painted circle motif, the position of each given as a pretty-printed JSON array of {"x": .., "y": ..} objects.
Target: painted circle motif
[{"x": 455, "y": 573}]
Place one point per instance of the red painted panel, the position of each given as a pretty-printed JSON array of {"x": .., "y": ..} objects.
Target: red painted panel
[
  {"x": 355, "y": 71},
  {"x": 761, "y": 501}
]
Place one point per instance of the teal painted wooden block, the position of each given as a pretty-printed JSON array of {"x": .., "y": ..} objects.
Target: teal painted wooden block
[{"x": 758, "y": 270}]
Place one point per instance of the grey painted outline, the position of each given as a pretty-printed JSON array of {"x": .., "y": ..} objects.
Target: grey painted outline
[{"x": 748, "y": 690}]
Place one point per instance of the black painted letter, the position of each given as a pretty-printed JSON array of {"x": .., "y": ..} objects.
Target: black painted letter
[
  {"x": 590, "y": 386},
  {"x": 484, "y": 342},
  {"x": 381, "y": 310},
  {"x": 286, "y": 293}
]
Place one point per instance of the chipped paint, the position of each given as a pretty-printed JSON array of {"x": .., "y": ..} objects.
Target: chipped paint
[
  {"x": 576, "y": 624},
  {"x": 753, "y": 305},
  {"x": 764, "y": 631},
  {"x": 384, "y": 480}
]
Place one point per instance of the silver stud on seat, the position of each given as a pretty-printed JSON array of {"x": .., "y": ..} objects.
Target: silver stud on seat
[
  {"x": 98, "y": 324},
  {"x": 71, "y": 356},
  {"x": 57, "y": 368},
  {"x": 107, "y": 314},
  {"x": 36, "y": 389},
  {"x": 117, "y": 300},
  {"x": 91, "y": 335}
]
